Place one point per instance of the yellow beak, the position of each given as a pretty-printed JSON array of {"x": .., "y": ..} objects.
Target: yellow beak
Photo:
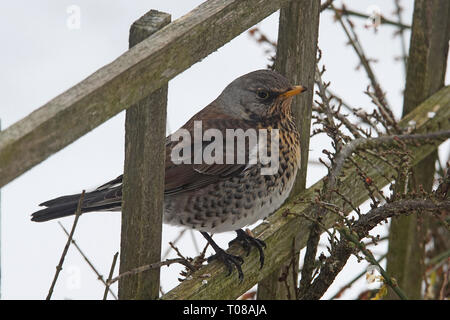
[{"x": 293, "y": 91}]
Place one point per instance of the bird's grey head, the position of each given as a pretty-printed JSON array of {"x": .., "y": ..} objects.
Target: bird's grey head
[{"x": 251, "y": 95}]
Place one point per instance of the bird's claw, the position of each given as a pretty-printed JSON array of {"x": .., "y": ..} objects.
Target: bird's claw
[
  {"x": 229, "y": 260},
  {"x": 247, "y": 241}
]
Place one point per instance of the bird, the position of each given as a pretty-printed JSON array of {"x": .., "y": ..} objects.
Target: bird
[{"x": 221, "y": 196}]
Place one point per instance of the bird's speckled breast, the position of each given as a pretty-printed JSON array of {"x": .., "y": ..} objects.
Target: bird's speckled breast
[{"x": 241, "y": 200}]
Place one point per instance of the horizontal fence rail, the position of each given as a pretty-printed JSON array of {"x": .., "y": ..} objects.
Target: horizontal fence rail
[
  {"x": 281, "y": 228},
  {"x": 131, "y": 77}
]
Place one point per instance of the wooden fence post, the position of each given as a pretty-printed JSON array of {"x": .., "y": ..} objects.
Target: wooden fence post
[
  {"x": 143, "y": 183},
  {"x": 296, "y": 59},
  {"x": 426, "y": 68}
]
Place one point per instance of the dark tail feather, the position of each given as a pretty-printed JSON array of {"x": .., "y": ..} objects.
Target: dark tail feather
[
  {"x": 98, "y": 200},
  {"x": 69, "y": 209},
  {"x": 63, "y": 200},
  {"x": 60, "y": 207},
  {"x": 58, "y": 211}
]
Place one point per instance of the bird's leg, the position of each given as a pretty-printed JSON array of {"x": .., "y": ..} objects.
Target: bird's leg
[
  {"x": 247, "y": 241},
  {"x": 228, "y": 259}
]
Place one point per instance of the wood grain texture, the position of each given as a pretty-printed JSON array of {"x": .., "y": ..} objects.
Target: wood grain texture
[
  {"x": 134, "y": 75},
  {"x": 143, "y": 186},
  {"x": 280, "y": 228},
  {"x": 425, "y": 75},
  {"x": 296, "y": 58}
]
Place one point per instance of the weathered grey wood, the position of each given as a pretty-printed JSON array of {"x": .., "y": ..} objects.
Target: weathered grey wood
[
  {"x": 427, "y": 64},
  {"x": 296, "y": 59},
  {"x": 134, "y": 75},
  {"x": 281, "y": 227},
  {"x": 143, "y": 188}
]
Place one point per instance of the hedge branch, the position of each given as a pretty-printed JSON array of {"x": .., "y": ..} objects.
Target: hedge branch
[{"x": 342, "y": 251}]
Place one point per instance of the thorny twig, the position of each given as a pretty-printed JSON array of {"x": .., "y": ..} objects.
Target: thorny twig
[
  {"x": 314, "y": 232},
  {"x": 383, "y": 20},
  {"x": 365, "y": 62},
  {"x": 66, "y": 247},
  {"x": 179, "y": 236},
  {"x": 325, "y": 5},
  {"x": 360, "y": 229},
  {"x": 195, "y": 263},
  {"x": 111, "y": 272},
  {"x": 384, "y": 141},
  {"x": 340, "y": 100}
]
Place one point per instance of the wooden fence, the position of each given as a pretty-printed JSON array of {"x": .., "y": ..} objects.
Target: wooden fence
[{"x": 137, "y": 81}]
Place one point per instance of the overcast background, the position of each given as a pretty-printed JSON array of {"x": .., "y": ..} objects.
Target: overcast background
[{"x": 42, "y": 57}]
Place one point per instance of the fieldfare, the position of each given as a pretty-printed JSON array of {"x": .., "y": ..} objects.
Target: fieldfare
[{"x": 236, "y": 189}]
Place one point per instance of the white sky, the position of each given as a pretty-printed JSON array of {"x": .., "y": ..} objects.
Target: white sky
[{"x": 41, "y": 58}]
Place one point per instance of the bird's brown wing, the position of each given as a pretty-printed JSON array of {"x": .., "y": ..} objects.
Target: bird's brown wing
[{"x": 190, "y": 176}]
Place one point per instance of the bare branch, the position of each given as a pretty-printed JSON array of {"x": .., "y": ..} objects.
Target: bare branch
[
  {"x": 152, "y": 266},
  {"x": 325, "y": 5},
  {"x": 66, "y": 247},
  {"x": 346, "y": 12},
  {"x": 314, "y": 232},
  {"x": 342, "y": 251},
  {"x": 111, "y": 271},
  {"x": 370, "y": 143},
  {"x": 356, "y": 45}
]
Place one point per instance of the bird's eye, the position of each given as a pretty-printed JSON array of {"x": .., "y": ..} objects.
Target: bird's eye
[{"x": 262, "y": 94}]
